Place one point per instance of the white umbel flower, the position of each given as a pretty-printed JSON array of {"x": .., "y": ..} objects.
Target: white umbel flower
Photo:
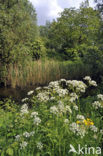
[
  {"x": 80, "y": 117},
  {"x": 23, "y": 144},
  {"x": 43, "y": 96},
  {"x": 54, "y": 109},
  {"x": 66, "y": 121},
  {"x": 93, "y": 128},
  {"x": 25, "y": 99},
  {"x": 17, "y": 137},
  {"x": 24, "y": 109},
  {"x": 76, "y": 129},
  {"x": 30, "y": 92},
  {"x": 73, "y": 97},
  {"x": 101, "y": 131},
  {"x": 37, "y": 121},
  {"x": 68, "y": 109},
  {"x": 87, "y": 78},
  {"x": 26, "y": 134},
  {"x": 61, "y": 107},
  {"x": 75, "y": 107},
  {"x": 38, "y": 88},
  {"x": 79, "y": 86},
  {"x": 34, "y": 114},
  {"x": 40, "y": 145},
  {"x": 93, "y": 83},
  {"x": 96, "y": 104},
  {"x": 100, "y": 96}
]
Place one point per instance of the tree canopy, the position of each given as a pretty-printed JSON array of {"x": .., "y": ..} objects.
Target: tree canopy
[{"x": 18, "y": 29}]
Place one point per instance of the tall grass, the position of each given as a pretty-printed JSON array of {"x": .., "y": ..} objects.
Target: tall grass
[{"x": 42, "y": 72}]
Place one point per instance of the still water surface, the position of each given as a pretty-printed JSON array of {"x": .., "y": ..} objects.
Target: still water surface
[{"x": 15, "y": 93}]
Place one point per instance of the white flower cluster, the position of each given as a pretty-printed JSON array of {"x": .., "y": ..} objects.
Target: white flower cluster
[
  {"x": 91, "y": 82},
  {"x": 75, "y": 107},
  {"x": 36, "y": 119},
  {"x": 25, "y": 99},
  {"x": 60, "y": 108},
  {"x": 87, "y": 78},
  {"x": 68, "y": 109},
  {"x": 24, "y": 109},
  {"x": 66, "y": 121},
  {"x": 93, "y": 128},
  {"x": 40, "y": 145},
  {"x": 101, "y": 131},
  {"x": 34, "y": 114},
  {"x": 97, "y": 104},
  {"x": 80, "y": 117},
  {"x": 17, "y": 137},
  {"x": 30, "y": 92},
  {"x": 54, "y": 85},
  {"x": 79, "y": 86},
  {"x": 52, "y": 98},
  {"x": 46, "y": 88},
  {"x": 62, "y": 80},
  {"x": 77, "y": 129},
  {"x": 43, "y": 96},
  {"x": 38, "y": 88},
  {"x": 100, "y": 96},
  {"x": 61, "y": 92},
  {"x": 73, "y": 97},
  {"x": 23, "y": 144},
  {"x": 54, "y": 110},
  {"x": 25, "y": 134},
  {"x": 62, "y": 88}
]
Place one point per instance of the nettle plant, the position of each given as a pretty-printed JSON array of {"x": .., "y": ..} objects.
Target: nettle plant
[{"x": 51, "y": 119}]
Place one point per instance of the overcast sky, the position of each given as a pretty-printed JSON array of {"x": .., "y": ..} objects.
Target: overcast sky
[{"x": 49, "y": 9}]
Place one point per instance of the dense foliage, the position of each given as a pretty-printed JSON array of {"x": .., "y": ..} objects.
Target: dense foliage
[
  {"x": 17, "y": 29},
  {"x": 74, "y": 30}
]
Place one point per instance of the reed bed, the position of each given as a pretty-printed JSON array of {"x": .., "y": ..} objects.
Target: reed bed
[{"x": 42, "y": 72}]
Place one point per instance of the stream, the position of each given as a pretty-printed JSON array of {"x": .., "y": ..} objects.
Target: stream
[{"x": 15, "y": 93}]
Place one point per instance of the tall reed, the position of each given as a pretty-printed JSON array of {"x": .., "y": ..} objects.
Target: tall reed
[{"x": 42, "y": 72}]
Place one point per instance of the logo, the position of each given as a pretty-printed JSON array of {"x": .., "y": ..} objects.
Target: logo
[{"x": 85, "y": 150}]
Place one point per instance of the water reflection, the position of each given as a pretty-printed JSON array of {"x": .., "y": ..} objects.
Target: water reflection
[{"x": 16, "y": 94}]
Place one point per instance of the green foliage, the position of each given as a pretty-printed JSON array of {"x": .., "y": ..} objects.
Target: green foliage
[
  {"x": 94, "y": 57},
  {"x": 71, "y": 54},
  {"x": 17, "y": 29},
  {"x": 38, "y": 49},
  {"x": 73, "y": 28}
]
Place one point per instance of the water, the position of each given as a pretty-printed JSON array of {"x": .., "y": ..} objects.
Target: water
[{"x": 15, "y": 93}]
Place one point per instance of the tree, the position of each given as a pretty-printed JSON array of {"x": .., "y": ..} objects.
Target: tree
[
  {"x": 17, "y": 29},
  {"x": 74, "y": 28}
]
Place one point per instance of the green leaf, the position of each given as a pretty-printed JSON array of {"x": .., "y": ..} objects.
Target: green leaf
[
  {"x": 38, "y": 154},
  {"x": 2, "y": 154},
  {"x": 10, "y": 151}
]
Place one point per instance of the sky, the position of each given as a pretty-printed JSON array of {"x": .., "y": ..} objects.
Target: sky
[{"x": 50, "y": 9}]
